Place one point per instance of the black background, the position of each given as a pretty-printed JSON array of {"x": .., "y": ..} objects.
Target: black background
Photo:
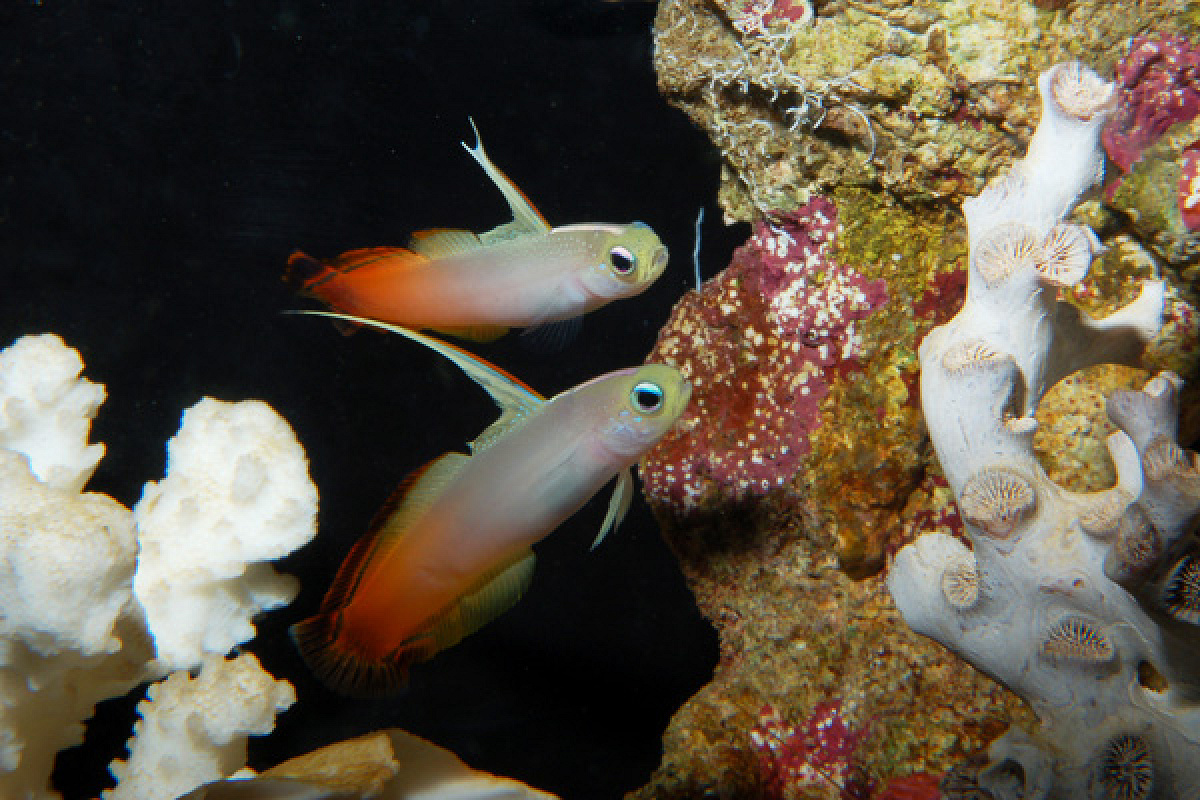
[{"x": 160, "y": 161}]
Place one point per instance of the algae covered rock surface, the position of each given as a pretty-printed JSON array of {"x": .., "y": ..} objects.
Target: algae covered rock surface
[{"x": 785, "y": 506}]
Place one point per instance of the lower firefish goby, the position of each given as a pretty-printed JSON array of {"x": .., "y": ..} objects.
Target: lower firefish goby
[
  {"x": 519, "y": 275},
  {"x": 451, "y": 551}
]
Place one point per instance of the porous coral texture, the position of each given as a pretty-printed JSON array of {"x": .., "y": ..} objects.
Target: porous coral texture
[
  {"x": 72, "y": 632},
  {"x": 236, "y": 495},
  {"x": 46, "y": 410},
  {"x": 192, "y": 730}
]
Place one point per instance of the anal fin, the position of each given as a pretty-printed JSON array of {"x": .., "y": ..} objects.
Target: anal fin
[
  {"x": 497, "y": 591},
  {"x": 476, "y": 333},
  {"x": 551, "y": 337}
]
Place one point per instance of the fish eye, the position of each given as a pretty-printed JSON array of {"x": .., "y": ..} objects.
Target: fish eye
[
  {"x": 647, "y": 397},
  {"x": 622, "y": 260}
]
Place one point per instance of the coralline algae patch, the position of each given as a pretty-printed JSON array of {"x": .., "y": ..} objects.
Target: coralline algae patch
[
  {"x": 759, "y": 343},
  {"x": 1159, "y": 87},
  {"x": 1153, "y": 137},
  {"x": 819, "y": 754}
]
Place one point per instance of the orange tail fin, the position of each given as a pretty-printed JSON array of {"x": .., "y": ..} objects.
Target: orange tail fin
[
  {"x": 339, "y": 666},
  {"x": 303, "y": 272}
]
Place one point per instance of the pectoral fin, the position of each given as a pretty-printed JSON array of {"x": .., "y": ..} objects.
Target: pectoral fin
[
  {"x": 618, "y": 505},
  {"x": 526, "y": 219},
  {"x": 551, "y": 337}
]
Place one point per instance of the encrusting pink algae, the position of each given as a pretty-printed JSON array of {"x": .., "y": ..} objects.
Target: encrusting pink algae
[{"x": 757, "y": 343}]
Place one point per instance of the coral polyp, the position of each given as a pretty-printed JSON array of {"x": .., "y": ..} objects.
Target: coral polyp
[
  {"x": 1126, "y": 768},
  {"x": 960, "y": 583},
  {"x": 1080, "y": 92},
  {"x": 997, "y": 500},
  {"x": 1076, "y": 639},
  {"x": 1181, "y": 597},
  {"x": 1067, "y": 254}
]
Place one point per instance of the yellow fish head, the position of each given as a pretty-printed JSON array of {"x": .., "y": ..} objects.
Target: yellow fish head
[
  {"x": 644, "y": 402},
  {"x": 626, "y": 259}
]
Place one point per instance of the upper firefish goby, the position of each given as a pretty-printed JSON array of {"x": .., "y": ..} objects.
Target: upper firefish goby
[
  {"x": 521, "y": 274},
  {"x": 452, "y": 551}
]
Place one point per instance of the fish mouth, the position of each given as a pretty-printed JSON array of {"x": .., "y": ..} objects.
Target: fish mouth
[{"x": 659, "y": 262}]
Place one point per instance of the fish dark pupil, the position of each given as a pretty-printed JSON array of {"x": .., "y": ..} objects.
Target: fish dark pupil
[
  {"x": 621, "y": 260},
  {"x": 647, "y": 397}
]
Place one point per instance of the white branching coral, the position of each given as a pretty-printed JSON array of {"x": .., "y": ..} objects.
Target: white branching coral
[
  {"x": 70, "y": 634},
  {"x": 1086, "y": 602},
  {"x": 90, "y": 590},
  {"x": 46, "y": 410},
  {"x": 229, "y": 699},
  {"x": 228, "y": 505}
]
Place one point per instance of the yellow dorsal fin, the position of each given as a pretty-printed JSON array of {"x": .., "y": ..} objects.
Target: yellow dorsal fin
[
  {"x": 414, "y": 494},
  {"x": 443, "y": 242},
  {"x": 526, "y": 219}
]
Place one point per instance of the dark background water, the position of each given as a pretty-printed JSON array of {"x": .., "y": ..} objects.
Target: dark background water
[{"x": 160, "y": 160}]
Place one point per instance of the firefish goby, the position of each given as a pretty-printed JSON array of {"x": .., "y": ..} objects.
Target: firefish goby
[
  {"x": 522, "y": 274},
  {"x": 451, "y": 550}
]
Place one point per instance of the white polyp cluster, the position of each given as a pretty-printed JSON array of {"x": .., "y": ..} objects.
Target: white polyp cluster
[{"x": 1082, "y": 603}]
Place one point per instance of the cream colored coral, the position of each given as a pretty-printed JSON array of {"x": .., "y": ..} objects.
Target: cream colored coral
[
  {"x": 236, "y": 496},
  {"x": 46, "y": 410},
  {"x": 193, "y": 730},
  {"x": 72, "y": 632}
]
